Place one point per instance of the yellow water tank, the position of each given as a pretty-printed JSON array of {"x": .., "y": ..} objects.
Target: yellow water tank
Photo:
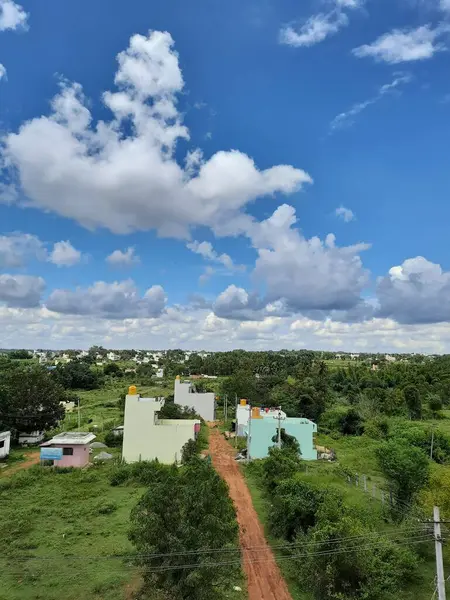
[
  {"x": 177, "y": 377},
  {"x": 132, "y": 390},
  {"x": 256, "y": 413},
  {"x": 243, "y": 402}
]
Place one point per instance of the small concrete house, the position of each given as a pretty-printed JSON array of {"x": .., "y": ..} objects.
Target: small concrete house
[
  {"x": 5, "y": 442},
  {"x": 243, "y": 415},
  {"x": 69, "y": 449},
  {"x": 147, "y": 437},
  {"x": 204, "y": 404}
]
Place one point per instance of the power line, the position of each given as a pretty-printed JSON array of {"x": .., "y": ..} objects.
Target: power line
[{"x": 419, "y": 538}]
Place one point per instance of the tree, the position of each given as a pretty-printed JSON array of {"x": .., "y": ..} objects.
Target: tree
[
  {"x": 77, "y": 375},
  {"x": 434, "y": 404},
  {"x": 19, "y": 354},
  {"x": 413, "y": 402},
  {"x": 351, "y": 423},
  {"x": 405, "y": 467},
  {"x": 199, "y": 516},
  {"x": 30, "y": 400},
  {"x": 113, "y": 370},
  {"x": 189, "y": 451},
  {"x": 281, "y": 464}
]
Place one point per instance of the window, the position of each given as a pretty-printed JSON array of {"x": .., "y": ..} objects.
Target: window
[
  {"x": 2, "y": 444},
  {"x": 67, "y": 451}
]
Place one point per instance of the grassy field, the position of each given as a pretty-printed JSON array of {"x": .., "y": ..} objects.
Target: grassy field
[{"x": 50, "y": 515}]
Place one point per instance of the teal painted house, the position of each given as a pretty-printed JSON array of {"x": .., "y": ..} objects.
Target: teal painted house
[{"x": 263, "y": 430}]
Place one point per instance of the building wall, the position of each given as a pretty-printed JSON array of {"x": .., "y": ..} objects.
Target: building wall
[
  {"x": 31, "y": 439},
  {"x": 147, "y": 438},
  {"x": 263, "y": 430},
  {"x": 203, "y": 404},
  {"x": 80, "y": 457},
  {"x": 5, "y": 437}
]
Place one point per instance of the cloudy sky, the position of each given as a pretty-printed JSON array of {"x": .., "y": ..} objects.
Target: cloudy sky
[{"x": 260, "y": 174}]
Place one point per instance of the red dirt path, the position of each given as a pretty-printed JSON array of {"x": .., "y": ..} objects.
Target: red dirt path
[
  {"x": 263, "y": 576},
  {"x": 31, "y": 459}
]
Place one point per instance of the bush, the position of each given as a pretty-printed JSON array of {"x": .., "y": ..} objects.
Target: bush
[
  {"x": 113, "y": 440},
  {"x": 279, "y": 465},
  {"x": 107, "y": 508},
  {"x": 377, "y": 428},
  {"x": 139, "y": 473}
]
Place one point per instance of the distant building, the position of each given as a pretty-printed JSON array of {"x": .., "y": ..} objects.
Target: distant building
[
  {"x": 262, "y": 431},
  {"x": 112, "y": 356},
  {"x": 5, "y": 442},
  {"x": 389, "y": 358},
  {"x": 147, "y": 437},
  {"x": 204, "y": 404},
  {"x": 159, "y": 373},
  {"x": 69, "y": 449},
  {"x": 30, "y": 439}
]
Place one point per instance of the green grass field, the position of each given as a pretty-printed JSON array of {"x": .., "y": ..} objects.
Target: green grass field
[
  {"x": 357, "y": 454},
  {"x": 52, "y": 516}
]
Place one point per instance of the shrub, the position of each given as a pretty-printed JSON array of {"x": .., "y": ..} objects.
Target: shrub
[{"x": 113, "y": 440}]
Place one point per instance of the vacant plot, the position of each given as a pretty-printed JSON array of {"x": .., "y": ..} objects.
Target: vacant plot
[{"x": 60, "y": 530}]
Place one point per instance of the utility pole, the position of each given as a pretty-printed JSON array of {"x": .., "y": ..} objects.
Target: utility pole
[
  {"x": 225, "y": 399},
  {"x": 438, "y": 549},
  {"x": 79, "y": 414},
  {"x": 250, "y": 433},
  {"x": 432, "y": 442},
  {"x": 279, "y": 417},
  {"x": 235, "y": 421}
]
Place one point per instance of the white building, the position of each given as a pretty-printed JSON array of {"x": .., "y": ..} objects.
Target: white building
[
  {"x": 159, "y": 373},
  {"x": 146, "y": 437},
  {"x": 204, "y": 404},
  {"x": 5, "y": 442},
  {"x": 31, "y": 439},
  {"x": 112, "y": 356}
]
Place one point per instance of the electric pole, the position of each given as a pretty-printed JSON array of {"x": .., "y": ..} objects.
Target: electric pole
[
  {"x": 279, "y": 417},
  {"x": 79, "y": 414},
  {"x": 249, "y": 432},
  {"x": 235, "y": 421},
  {"x": 225, "y": 399},
  {"x": 432, "y": 442},
  {"x": 438, "y": 549}
]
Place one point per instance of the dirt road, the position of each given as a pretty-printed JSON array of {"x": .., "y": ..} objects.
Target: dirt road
[
  {"x": 264, "y": 577},
  {"x": 31, "y": 459}
]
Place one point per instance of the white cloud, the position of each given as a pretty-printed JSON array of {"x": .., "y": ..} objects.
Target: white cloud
[
  {"x": 64, "y": 255},
  {"x": 307, "y": 274},
  {"x": 206, "y": 250},
  {"x": 206, "y": 275},
  {"x": 346, "y": 214},
  {"x": 417, "y": 291},
  {"x": 315, "y": 30},
  {"x": 347, "y": 118},
  {"x": 17, "y": 248},
  {"x": 116, "y": 300},
  {"x": 236, "y": 303},
  {"x": 3, "y": 74},
  {"x": 103, "y": 177},
  {"x": 404, "y": 45},
  {"x": 123, "y": 259},
  {"x": 21, "y": 290},
  {"x": 12, "y": 16}
]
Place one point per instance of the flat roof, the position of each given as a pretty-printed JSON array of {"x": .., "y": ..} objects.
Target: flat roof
[
  {"x": 4, "y": 434},
  {"x": 72, "y": 438}
]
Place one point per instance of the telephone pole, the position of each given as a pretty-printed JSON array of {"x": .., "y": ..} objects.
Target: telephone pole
[
  {"x": 250, "y": 434},
  {"x": 225, "y": 399},
  {"x": 438, "y": 549},
  {"x": 235, "y": 421},
  {"x": 79, "y": 414},
  {"x": 279, "y": 417}
]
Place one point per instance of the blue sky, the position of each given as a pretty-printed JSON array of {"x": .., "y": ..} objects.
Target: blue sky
[{"x": 218, "y": 175}]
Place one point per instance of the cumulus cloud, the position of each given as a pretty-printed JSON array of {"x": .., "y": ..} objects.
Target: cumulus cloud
[
  {"x": 64, "y": 255},
  {"x": 118, "y": 300},
  {"x": 123, "y": 259},
  {"x": 21, "y": 290},
  {"x": 404, "y": 45},
  {"x": 122, "y": 174},
  {"x": 206, "y": 250},
  {"x": 236, "y": 303},
  {"x": 417, "y": 291},
  {"x": 12, "y": 16},
  {"x": 346, "y": 214},
  {"x": 17, "y": 248},
  {"x": 2, "y": 72},
  {"x": 347, "y": 118},
  {"x": 307, "y": 274}
]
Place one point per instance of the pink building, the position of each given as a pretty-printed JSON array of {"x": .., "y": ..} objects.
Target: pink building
[{"x": 69, "y": 449}]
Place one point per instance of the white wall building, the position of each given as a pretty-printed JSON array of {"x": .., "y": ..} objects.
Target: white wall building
[
  {"x": 146, "y": 437},
  {"x": 204, "y": 404},
  {"x": 5, "y": 443},
  {"x": 112, "y": 356},
  {"x": 31, "y": 439}
]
